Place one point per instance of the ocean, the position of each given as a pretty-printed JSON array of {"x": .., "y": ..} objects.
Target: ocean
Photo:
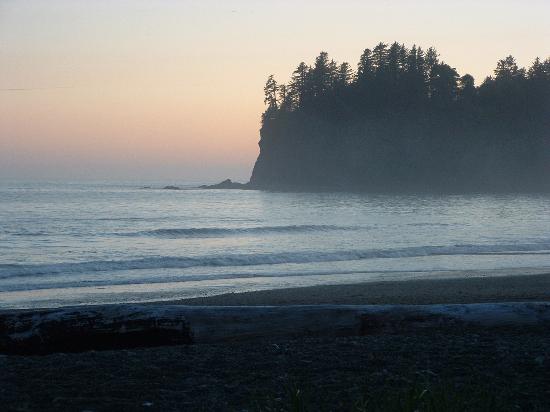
[{"x": 93, "y": 243}]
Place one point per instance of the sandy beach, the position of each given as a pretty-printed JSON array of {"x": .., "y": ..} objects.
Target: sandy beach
[
  {"x": 418, "y": 291},
  {"x": 484, "y": 368}
]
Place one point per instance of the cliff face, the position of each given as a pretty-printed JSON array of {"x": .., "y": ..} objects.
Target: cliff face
[
  {"x": 402, "y": 153},
  {"x": 305, "y": 154},
  {"x": 288, "y": 160}
]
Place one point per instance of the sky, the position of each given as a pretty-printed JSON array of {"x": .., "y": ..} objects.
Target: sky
[{"x": 173, "y": 90}]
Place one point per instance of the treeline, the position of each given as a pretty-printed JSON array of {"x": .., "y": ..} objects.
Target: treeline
[{"x": 404, "y": 120}]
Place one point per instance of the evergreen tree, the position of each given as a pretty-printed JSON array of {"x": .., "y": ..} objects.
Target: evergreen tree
[
  {"x": 285, "y": 102},
  {"x": 321, "y": 74},
  {"x": 270, "y": 92},
  {"x": 431, "y": 59},
  {"x": 415, "y": 76},
  {"x": 365, "y": 68},
  {"x": 270, "y": 99},
  {"x": 466, "y": 88},
  {"x": 537, "y": 70},
  {"x": 298, "y": 88},
  {"x": 380, "y": 58},
  {"x": 394, "y": 59},
  {"x": 546, "y": 67},
  {"x": 444, "y": 84},
  {"x": 333, "y": 74},
  {"x": 507, "y": 69},
  {"x": 345, "y": 75}
]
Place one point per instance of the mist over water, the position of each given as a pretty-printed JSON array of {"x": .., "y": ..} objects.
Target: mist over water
[{"x": 82, "y": 243}]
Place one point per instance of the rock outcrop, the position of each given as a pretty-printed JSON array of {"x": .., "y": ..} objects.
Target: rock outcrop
[{"x": 227, "y": 184}]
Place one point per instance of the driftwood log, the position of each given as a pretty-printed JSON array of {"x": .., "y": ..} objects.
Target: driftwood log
[
  {"x": 78, "y": 329},
  {"x": 124, "y": 326}
]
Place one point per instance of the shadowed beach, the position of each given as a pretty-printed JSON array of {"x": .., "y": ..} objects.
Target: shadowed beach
[
  {"x": 472, "y": 367},
  {"x": 415, "y": 292}
]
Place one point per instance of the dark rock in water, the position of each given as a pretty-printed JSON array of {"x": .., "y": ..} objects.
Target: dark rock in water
[
  {"x": 227, "y": 184},
  {"x": 172, "y": 188}
]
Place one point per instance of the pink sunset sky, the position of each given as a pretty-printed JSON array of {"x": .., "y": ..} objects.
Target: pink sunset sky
[{"x": 152, "y": 90}]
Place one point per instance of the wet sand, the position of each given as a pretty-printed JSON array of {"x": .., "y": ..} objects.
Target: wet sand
[{"x": 420, "y": 291}]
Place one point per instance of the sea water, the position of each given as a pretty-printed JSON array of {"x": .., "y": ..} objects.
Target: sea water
[{"x": 91, "y": 243}]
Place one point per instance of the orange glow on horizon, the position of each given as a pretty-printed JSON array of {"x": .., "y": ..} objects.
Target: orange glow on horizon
[{"x": 165, "y": 89}]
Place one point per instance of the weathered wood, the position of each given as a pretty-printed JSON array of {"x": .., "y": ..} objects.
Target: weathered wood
[
  {"x": 124, "y": 326},
  {"x": 405, "y": 318},
  {"x": 218, "y": 323},
  {"x": 90, "y": 328}
]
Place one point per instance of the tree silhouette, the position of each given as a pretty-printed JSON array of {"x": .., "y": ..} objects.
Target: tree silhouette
[
  {"x": 507, "y": 69},
  {"x": 443, "y": 84},
  {"x": 365, "y": 68},
  {"x": 271, "y": 90},
  {"x": 380, "y": 58},
  {"x": 466, "y": 88},
  {"x": 298, "y": 88},
  {"x": 321, "y": 74},
  {"x": 406, "y": 121},
  {"x": 344, "y": 75}
]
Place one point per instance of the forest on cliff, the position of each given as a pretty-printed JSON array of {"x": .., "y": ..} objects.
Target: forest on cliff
[{"x": 405, "y": 121}]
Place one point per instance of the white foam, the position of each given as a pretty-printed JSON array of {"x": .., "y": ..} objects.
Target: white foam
[{"x": 235, "y": 260}]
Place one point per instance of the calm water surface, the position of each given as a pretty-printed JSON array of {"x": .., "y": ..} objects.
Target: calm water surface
[{"x": 82, "y": 243}]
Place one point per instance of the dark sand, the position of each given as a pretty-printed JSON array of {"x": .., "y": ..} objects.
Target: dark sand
[
  {"x": 512, "y": 367},
  {"x": 493, "y": 370},
  {"x": 425, "y": 291}
]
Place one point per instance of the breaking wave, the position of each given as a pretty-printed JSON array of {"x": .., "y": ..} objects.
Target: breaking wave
[
  {"x": 235, "y": 260},
  {"x": 171, "y": 233}
]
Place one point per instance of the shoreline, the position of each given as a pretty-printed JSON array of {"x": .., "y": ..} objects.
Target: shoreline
[
  {"x": 480, "y": 286},
  {"x": 509, "y": 288}
]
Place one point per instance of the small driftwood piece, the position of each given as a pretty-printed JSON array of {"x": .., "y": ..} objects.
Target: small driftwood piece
[{"x": 125, "y": 326}]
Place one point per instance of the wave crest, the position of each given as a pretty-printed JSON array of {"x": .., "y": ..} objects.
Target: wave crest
[
  {"x": 174, "y": 233},
  {"x": 234, "y": 260}
]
